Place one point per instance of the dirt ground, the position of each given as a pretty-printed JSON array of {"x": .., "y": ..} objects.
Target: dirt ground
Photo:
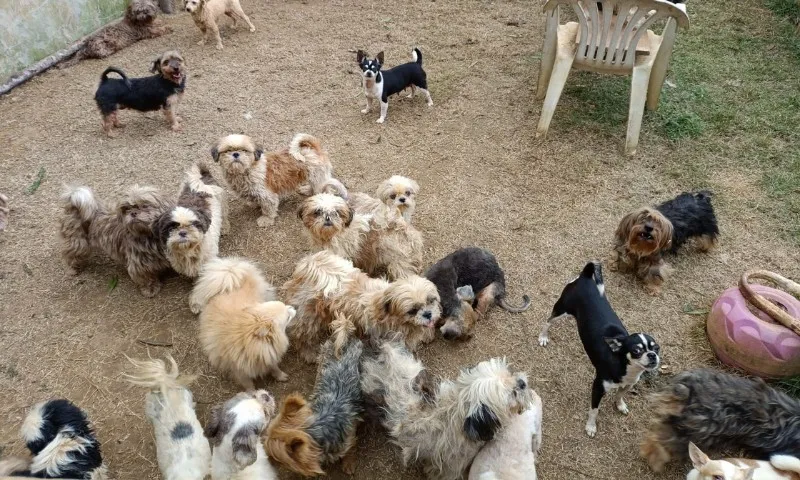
[{"x": 543, "y": 207}]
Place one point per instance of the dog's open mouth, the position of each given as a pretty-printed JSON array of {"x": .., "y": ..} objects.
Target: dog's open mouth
[
  {"x": 645, "y": 236},
  {"x": 177, "y": 77}
]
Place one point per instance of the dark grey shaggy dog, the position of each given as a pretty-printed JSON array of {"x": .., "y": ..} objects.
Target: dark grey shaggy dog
[{"x": 722, "y": 413}]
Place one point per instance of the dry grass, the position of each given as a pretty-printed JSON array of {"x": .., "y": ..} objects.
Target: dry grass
[{"x": 544, "y": 208}]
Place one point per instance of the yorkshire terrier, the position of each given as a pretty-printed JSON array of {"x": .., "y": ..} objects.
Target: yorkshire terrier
[
  {"x": 161, "y": 91},
  {"x": 721, "y": 413},
  {"x": 206, "y": 13},
  {"x": 645, "y": 234}
]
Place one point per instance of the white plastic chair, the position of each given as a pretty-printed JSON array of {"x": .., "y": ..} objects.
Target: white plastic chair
[{"x": 602, "y": 41}]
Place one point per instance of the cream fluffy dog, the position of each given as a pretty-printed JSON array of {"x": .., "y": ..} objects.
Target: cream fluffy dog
[
  {"x": 242, "y": 328},
  {"x": 205, "y": 14},
  {"x": 397, "y": 194},
  {"x": 263, "y": 178},
  {"x": 183, "y": 451},
  {"x": 324, "y": 283},
  {"x": 511, "y": 455},
  {"x": 442, "y": 432},
  {"x": 377, "y": 244}
]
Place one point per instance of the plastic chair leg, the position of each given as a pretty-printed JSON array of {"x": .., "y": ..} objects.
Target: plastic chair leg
[
  {"x": 558, "y": 79},
  {"x": 639, "y": 81}
]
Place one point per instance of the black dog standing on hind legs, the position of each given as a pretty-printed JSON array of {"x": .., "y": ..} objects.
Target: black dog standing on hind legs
[
  {"x": 381, "y": 84},
  {"x": 619, "y": 358}
]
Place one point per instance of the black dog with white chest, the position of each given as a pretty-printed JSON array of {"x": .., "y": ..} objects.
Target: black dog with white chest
[
  {"x": 619, "y": 358},
  {"x": 383, "y": 83}
]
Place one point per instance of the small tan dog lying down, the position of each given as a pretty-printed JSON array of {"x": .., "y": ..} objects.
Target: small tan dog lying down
[
  {"x": 205, "y": 14},
  {"x": 779, "y": 467}
]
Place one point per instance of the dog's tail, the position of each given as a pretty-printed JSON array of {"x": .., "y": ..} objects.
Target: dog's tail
[
  {"x": 416, "y": 56},
  {"x": 198, "y": 178},
  {"x": 594, "y": 270},
  {"x": 335, "y": 187},
  {"x": 307, "y": 149},
  {"x": 785, "y": 462},
  {"x": 116, "y": 70},
  {"x": 342, "y": 328},
  {"x": 80, "y": 203},
  {"x": 224, "y": 275},
  {"x": 526, "y": 304},
  {"x": 322, "y": 272},
  {"x": 154, "y": 374}
]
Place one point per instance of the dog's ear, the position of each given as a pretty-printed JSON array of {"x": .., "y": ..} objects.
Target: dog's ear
[
  {"x": 625, "y": 226},
  {"x": 387, "y": 306},
  {"x": 465, "y": 293},
  {"x": 204, "y": 218},
  {"x": 215, "y": 153},
  {"x": 751, "y": 472},
  {"x": 699, "y": 459},
  {"x": 350, "y": 215},
  {"x": 665, "y": 241},
  {"x": 259, "y": 152},
  {"x": 244, "y": 445},
  {"x": 614, "y": 343},
  {"x": 156, "y": 68},
  {"x": 360, "y": 55},
  {"x": 163, "y": 226},
  {"x": 379, "y": 56},
  {"x": 212, "y": 426},
  {"x": 481, "y": 425}
]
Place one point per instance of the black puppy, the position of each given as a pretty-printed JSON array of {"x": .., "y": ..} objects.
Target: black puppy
[
  {"x": 381, "y": 84},
  {"x": 619, "y": 358},
  {"x": 460, "y": 274},
  {"x": 160, "y": 91}
]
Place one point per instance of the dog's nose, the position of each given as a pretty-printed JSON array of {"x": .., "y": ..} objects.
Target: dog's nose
[
  {"x": 236, "y": 155},
  {"x": 188, "y": 9},
  {"x": 402, "y": 199},
  {"x": 427, "y": 315},
  {"x": 521, "y": 384},
  {"x": 648, "y": 228},
  {"x": 652, "y": 356},
  {"x": 182, "y": 234}
]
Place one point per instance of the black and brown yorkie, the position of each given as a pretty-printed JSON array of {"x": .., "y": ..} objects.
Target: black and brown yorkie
[
  {"x": 645, "y": 234},
  {"x": 160, "y": 91}
]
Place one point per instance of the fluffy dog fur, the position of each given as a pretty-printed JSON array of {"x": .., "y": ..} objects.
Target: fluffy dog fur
[
  {"x": 242, "y": 328},
  {"x": 446, "y": 432},
  {"x": 324, "y": 283},
  {"x": 123, "y": 232},
  {"x": 62, "y": 443},
  {"x": 161, "y": 91},
  {"x": 377, "y": 244},
  {"x": 3, "y": 212},
  {"x": 720, "y": 412},
  {"x": 395, "y": 195},
  {"x": 139, "y": 23},
  {"x": 206, "y": 13},
  {"x": 235, "y": 431},
  {"x": 512, "y": 454},
  {"x": 182, "y": 450},
  {"x": 262, "y": 179},
  {"x": 190, "y": 232},
  {"x": 645, "y": 234},
  {"x": 780, "y": 467},
  {"x": 307, "y": 435}
]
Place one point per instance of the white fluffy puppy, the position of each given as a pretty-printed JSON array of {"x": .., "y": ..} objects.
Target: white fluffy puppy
[
  {"x": 183, "y": 451},
  {"x": 511, "y": 455},
  {"x": 235, "y": 431}
]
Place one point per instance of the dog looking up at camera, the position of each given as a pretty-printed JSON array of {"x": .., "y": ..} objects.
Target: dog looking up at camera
[
  {"x": 234, "y": 431},
  {"x": 123, "y": 232},
  {"x": 619, "y": 358},
  {"x": 397, "y": 195},
  {"x": 476, "y": 268},
  {"x": 443, "y": 432},
  {"x": 644, "y": 235},
  {"x": 206, "y": 13},
  {"x": 779, "y": 467},
  {"x": 381, "y": 84},
  {"x": 261, "y": 179}
]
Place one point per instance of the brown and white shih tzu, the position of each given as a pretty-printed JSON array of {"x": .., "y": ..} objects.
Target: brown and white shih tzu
[
  {"x": 324, "y": 283},
  {"x": 379, "y": 245},
  {"x": 123, "y": 232},
  {"x": 261, "y": 179},
  {"x": 397, "y": 194},
  {"x": 242, "y": 327},
  {"x": 442, "y": 431},
  {"x": 190, "y": 231},
  {"x": 644, "y": 235}
]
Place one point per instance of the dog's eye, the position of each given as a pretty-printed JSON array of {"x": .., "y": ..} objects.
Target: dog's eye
[
  {"x": 318, "y": 212},
  {"x": 196, "y": 224},
  {"x": 393, "y": 196},
  {"x": 408, "y": 193},
  {"x": 656, "y": 348},
  {"x": 719, "y": 477},
  {"x": 413, "y": 311}
]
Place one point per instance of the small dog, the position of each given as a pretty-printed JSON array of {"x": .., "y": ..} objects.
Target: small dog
[
  {"x": 161, "y": 91},
  {"x": 235, "y": 430},
  {"x": 444, "y": 431},
  {"x": 190, "y": 232},
  {"x": 62, "y": 442},
  {"x": 205, "y": 14},
  {"x": 511, "y": 455},
  {"x": 306, "y": 435},
  {"x": 396, "y": 195},
  {"x": 3, "y": 212},
  {"x": 124, "y": 233},
  {"x": 780, "y": 467},
  {"x": 324, "y": 283},
  {"x": 721, "y": 412},
  {"x": 183, "y": 451},
  {"x": 377, "y": 245},
  {"x": 139, "y": 23},
  {"x": 645, "y": 234},
  {"x": 478, "y": 269},
  {"x": 619, "y": 358},
  {"x": 262, "y": 179},
  {"x": 381, "y": 84},
  {"x": 242, "y": 327}
]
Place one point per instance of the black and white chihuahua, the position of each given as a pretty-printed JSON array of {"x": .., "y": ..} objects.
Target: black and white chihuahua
[
  {"x": 619, "y": 358},
  {"x": 383, "y": 83}
]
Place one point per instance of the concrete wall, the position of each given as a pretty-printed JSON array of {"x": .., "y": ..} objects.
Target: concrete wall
[{"x": 30, "y": 30}]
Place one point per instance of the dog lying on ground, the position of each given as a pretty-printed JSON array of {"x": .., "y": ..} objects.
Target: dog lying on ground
[{"x": 780, "y": 467}]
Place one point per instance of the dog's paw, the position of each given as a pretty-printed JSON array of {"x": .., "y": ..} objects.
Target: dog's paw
[
  {"x": 365, "y": 110},
  {"x": 380, "y": 120},
  {"x": 544, "y": 340},
  {"x": 430, "y": 103},
  {"x": 195, "y": 308},
  {"x": 653, "y": 290},
  {"x": 281, "y": 376},
  {"x": 219, "y": 46},
  {"x": 150, "y": 291},
  {"x": 591, "y": 429},
  {"x": 252, "y": 29},
  {"x": 201, "y": 42},
  {"x": 622, "y": 407},
  {"x": 177, "y": 127},
  {"x": 72, "y": 271},
  {"x": 264, "y": 221}
]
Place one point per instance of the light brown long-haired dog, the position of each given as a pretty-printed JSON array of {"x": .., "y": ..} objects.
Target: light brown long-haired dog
[
  {"x": 324, "y": 283},
  {"x": 263, "y": 178},
  {"x": 205, "y": 14},
  {"x": 395, "y": 195},
  {"x": 377, "y": 244},
  {"x": 242, "y": 328}
]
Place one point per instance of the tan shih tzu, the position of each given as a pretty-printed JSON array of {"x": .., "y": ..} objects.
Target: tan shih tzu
[
  {"x": 397, "y": 194},
  {"x": 263, "y": 178},
  {"x": 123, "y": 232},
  {"x": 442, "y": 427},
  {"x": 242, "y": 327},
  {"x": 324, "y": 283},
  {"x": 379, "y": 245}
]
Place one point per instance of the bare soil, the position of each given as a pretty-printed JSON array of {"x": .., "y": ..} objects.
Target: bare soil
[{"x": 543, "y": 207}]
